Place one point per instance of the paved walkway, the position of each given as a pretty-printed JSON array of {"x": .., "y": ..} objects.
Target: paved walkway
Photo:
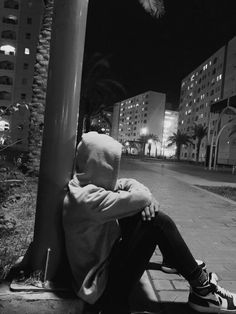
[{"x": 206, "y": 221}]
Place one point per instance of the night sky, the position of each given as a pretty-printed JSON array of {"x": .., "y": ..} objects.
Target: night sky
[{"x": 156, "y": 54}]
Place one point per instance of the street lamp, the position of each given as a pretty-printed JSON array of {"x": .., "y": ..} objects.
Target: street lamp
[{"x": 144, "y": 131}]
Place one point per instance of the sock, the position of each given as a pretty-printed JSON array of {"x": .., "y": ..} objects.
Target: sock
[{"x": 198, "y": 278}]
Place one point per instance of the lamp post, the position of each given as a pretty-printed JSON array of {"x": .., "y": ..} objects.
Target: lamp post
[{"x": 59, "y": 138}]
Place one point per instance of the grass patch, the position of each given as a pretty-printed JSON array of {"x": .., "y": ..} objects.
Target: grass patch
[
  {"x": 17, "y": 212},
  {"x": 225, "y": 191}
]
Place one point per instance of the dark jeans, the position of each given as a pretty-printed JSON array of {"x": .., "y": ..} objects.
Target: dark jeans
[{"x": 131, "y": 255}]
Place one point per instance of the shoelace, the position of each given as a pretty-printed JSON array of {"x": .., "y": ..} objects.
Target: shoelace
[{"x": 223, "y": 292}]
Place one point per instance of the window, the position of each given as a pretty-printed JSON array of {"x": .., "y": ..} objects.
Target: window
[
  {"x": 6, "y": 80},
  {"x": 23, "y": 96},
  {"x": 6, "y": 65},
  {"x": 27, "y": 36},
  {"x": 8, "y": 50},
  {"x": 25, "y": 66},
  {"x": 10, "y": 19},
  {"x": 24, "y": 81},
  {"x": 8, "y": 34},
  {"x": 11, "y": 4},
  {"x": 29, "y": 20},
  {"x": 5, "y": 95},
  {"x": 27, "y": 51}
]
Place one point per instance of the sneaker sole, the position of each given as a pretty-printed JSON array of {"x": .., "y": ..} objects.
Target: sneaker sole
[
  {"x": 169, "y": 270},
  {"x": 203, "y": 309}
]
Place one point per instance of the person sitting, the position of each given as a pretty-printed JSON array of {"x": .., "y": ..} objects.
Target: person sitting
[{"x": 112, "y": 227}]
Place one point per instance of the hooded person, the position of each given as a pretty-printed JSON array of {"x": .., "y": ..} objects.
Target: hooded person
[
  {"x": 100, "y": 208},
  {"x": 95, "y": 201}
]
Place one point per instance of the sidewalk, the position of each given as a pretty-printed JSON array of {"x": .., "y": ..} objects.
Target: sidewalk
[{"x": 206, "y": 221}]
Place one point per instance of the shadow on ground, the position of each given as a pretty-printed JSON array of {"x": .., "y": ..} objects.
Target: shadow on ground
[{"x": 140, "y": 303}]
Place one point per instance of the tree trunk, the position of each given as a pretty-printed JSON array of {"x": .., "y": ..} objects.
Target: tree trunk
[
  {"x": 39, "y": 87},
  {"x": 198, "y": 150},
  {"x": 178, "y": 150}
]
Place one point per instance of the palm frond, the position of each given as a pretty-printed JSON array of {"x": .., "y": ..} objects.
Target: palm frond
[{"x": 154, "y": 7}]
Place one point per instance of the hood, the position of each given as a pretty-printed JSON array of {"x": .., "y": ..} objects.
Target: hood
[{"x": 98, "y": 160}]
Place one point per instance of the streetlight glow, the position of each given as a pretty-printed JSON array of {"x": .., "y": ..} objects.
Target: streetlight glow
[{"x": 144, "y": 131}]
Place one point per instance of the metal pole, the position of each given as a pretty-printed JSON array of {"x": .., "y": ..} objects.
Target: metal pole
[{"x": 59, "y": 139}]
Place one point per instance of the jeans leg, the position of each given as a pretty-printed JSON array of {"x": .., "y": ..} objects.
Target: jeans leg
[{"x": 130, "y": 257}]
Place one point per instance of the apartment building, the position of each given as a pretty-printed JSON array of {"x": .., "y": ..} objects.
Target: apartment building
[
  {"x": 142, "y": 114},
  {"x": 19, "y": 28},
  {"x": 210, "y": 83}
]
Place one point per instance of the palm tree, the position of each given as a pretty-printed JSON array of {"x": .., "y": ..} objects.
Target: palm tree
[
  {"x": 199, "y": 132},
  {"x": 154, "y": 7},
  {"x": 99, "y": 91},
  {"x": 39, "y": 89},
  {"x": 143, "y": 140},
  {"x": 179, "y": 139}
]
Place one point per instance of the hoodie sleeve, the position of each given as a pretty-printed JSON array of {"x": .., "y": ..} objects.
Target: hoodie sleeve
[
  {"x": 130, "y": 185},
  {"x": 106, "y": 205}
]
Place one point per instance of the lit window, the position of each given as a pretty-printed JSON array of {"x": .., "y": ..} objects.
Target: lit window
[
  {"x": 8, "y": 50},
  {"x": 27, "y": 51}
]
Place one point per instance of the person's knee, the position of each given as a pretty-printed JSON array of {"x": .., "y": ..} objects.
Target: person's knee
[{"x": 165, "y": 221}]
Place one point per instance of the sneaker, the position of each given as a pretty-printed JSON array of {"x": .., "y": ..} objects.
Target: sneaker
[
  {"x": 166, "y": 268},
  {"x": 212, "y": 298}
]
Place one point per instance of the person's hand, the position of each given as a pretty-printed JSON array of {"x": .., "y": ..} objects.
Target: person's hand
[{"x": 149, "y": 212}]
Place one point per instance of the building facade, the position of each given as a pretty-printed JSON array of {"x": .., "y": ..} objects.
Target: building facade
[
  {"x": 142, "y": 114},
  {"x": 211, "y": 82},
  {"x": 19, "y": 28}
]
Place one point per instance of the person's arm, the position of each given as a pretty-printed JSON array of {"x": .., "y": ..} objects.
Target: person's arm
[
  {"x": 108, "y": 205},
  {"x": 149, "y": 211},
  {"x": 130, "y": 184}
]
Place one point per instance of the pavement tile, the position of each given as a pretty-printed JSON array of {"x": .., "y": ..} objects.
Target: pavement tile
[
  {"x": 173, "y": 296},
  {"x": 180, "y": 284},
  {"x": 155, "y": 274},
  {"x": 160, "y": 284}
]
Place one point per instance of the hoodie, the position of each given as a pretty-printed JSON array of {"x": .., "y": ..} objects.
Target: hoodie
[{"x": 95, "y": 201}]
